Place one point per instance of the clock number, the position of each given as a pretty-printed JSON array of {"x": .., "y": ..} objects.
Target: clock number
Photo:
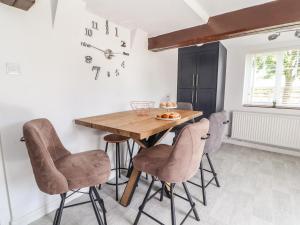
[
  {"x": 117, "y": 73},
  {"x": 95, "y": 25},
  {"x": 108, "y": 74},
  {"x": 123, "y": 44},
  {"x": 88, "y": 59},
  {"x": 107, "y": 27},
  {"x": 117, "y": 32},
  {"x": 123, "y": 65},
  {"x": 88, "y": 32},
  {"x": 97, "y": 69}
]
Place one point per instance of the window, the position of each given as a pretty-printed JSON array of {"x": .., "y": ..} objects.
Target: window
[{"x": 273, "y": 79}]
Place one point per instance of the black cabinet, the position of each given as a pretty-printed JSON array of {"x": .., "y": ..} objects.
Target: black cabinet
[{"x": 201, "y": 77}]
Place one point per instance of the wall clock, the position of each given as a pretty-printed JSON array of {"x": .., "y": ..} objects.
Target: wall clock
[{"x": 105, "y": 49}]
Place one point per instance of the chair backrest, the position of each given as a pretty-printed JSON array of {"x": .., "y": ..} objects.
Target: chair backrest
[
  {"x": 217, "y": 124},
  {"x": 184, "y": 105},
  {"x": 44, "y": 148},
  {"x": 187, "y": 152}
]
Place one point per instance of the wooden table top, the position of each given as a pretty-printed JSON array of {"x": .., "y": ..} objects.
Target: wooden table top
[{"x": 131, "y": 125}]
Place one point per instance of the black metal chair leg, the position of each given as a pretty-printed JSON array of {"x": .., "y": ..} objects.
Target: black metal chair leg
[
  {"x": 119, "y": 159},
  {"x": 162, "y": 191},
  {"x": 101, "y": 204},
  {"x": 55, "y": 217},
  {"x": 173, "y": 216},
  {"x": 141, "y": 208},
  {"x": 191, "y": 201},
  {"x": 132, "y": 149},
  {"x": 106, "y": 147},
  {"x": 213, "y": 170},
  {"x": 59, "y": 212},
  {"x": 96, "y": 210},
  {"x": 203, "y": 184},
  {"x": 117, "y": 171}
]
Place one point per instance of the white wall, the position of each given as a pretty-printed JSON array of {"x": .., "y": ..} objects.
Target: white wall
[
  {"x": 57, "y": 84},
  {"x": 237, "y": 50},
  {"x": 4, "y": 206}
]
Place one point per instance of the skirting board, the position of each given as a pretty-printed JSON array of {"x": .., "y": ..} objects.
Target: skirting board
[
  {"x": 263, "y": 147},
  {"x": 50, "y": 206},
  {"x": 42, "y": 211}
]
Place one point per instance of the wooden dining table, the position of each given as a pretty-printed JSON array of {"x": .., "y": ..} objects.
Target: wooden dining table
[{"x": 145, "y": 130}]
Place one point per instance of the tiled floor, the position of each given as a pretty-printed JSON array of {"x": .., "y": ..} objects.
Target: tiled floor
[{"x": 258, "y": 188}]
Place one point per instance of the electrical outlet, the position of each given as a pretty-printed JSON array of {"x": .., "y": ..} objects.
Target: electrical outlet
[{"x": 13, "y": 69}]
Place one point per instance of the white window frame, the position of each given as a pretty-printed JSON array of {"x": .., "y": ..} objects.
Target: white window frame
[{"x": 249, "y": 78}]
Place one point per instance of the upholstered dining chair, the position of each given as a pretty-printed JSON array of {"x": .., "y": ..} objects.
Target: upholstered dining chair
[
  {"x": 173, "y": 165},
  {"x": 57, "y": 171},
  {"x": 217, "y": 125},
  {"x": 182, "y": 106}
]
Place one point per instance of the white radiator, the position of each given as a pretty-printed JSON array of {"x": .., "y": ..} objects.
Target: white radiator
[{"x": 271, "y": 129}]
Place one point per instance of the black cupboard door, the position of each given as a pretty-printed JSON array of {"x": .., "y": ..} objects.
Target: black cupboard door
[
  {"x": 205, "y": 100},
  {"x": 187, "y": 70},
  {"x": 207, "y": 70},
  {"x": 186, "y": 95}
]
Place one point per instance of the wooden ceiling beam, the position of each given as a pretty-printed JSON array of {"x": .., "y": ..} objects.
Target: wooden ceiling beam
[
  {"x": 261, "y": 18},
  {"x": 20, "y": 4}
]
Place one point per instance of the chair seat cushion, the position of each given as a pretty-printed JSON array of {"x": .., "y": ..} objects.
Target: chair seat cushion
[
  {"x": 152, "y": 159},
  {"x": 85, "y": 169},
  {"x": 115, "y": 138}
]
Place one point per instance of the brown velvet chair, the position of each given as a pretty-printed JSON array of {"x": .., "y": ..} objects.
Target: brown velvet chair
[
  {"x": 217, "y": 125},
  {"x": 57, "y": 171},
  {"x": 173, "y": 164},
  {"x": 183, "y": 106}
]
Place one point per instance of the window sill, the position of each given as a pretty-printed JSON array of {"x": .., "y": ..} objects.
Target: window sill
[{"x": 271, "y": 107}]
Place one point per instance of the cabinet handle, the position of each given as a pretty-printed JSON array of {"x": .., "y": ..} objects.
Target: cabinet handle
[
  {"x": 193, "y": 80},
  {"x": 196, "y": 96},
  {"x": 193, "y": 97},
  {"x": 197, "y": 79}
]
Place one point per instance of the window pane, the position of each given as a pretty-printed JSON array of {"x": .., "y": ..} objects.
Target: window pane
[
  {"x": 290, "y": 79},
  {"x": 264, "y": 79}
]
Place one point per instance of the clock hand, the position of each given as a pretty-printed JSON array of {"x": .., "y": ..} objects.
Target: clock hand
[
  {"x": 91, "y": 46},
  {"x": 121, "y": 53}
]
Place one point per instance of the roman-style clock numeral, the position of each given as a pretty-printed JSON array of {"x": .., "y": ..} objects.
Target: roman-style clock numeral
[
  {"x": 88, "y": 32},
  {"x": 97, "y": 69},
  {"x": 95, "y": 25},
  {"x": 108, "y": 74},
  {"x": 123, "y": 64}
]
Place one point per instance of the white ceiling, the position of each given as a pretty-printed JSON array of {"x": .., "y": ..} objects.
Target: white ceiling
[
  {"x": 162, "y": 16},
  {"x": 217, "y": 7}
]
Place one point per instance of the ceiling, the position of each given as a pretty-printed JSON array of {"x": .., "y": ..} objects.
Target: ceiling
[
  {"x": 217, "y": 7},
  {"x": 163, "y": 16}
]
